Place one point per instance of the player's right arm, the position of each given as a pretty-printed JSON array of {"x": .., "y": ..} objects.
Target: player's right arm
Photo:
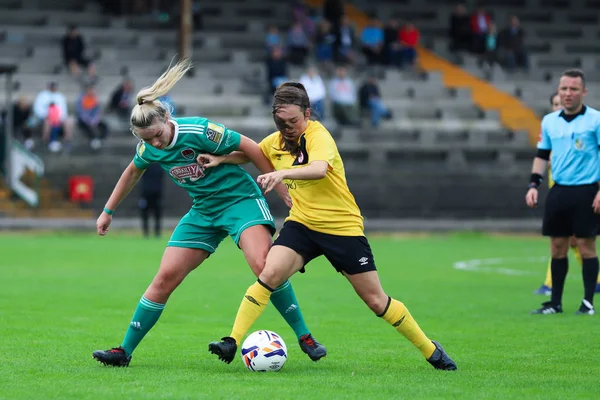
[
  {"x": 540, "y": 164},
  {"x": 129, "y": 178}
]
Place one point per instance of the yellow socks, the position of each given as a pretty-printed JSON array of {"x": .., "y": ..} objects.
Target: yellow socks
[
  {"x": 254, "y": 303},
  {"x": 548, "y": 281},
  {"x": 399, "y": 317}
]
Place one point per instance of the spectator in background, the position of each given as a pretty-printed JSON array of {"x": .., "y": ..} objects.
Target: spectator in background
[
  {"x": 169, "y": 104},
  {"x": 197, "y": 16},
  {"x": 333, "y": 11},
  {"x": 50, "y": 111},
  {"x": 324, "y": 43},
  {"x": 391, "y": 47},
  {"x": 22, "y": 122},
  {"x": 480, "y": 25},
  {"x": 89, "y": 117},
  {"x": 491, "y": 43},
  {"x": 74, "y": 53},
  {"x": 460, "y": 30},
  {"x": 511, "y": 43},
  {"x": 298, "y": 44},
  {"x": 151, "y": 198},
  {"x": 372, "y": 42},
  {"x": 277, "y": 71},
  {"x": 408, "y": 37},
  {"x": 370, "y": 100},
  {"x": 301, "y": 14},
  {"x": 343, "y": 51},
  {"x": 342, "y": 92},
  {"x": 317, "y": 92},
  {"x": 273, "y": 38},
  {"x": 121, "y": 99}
]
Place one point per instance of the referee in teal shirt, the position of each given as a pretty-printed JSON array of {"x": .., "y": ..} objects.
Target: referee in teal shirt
[{"x": 572, "y": 207}]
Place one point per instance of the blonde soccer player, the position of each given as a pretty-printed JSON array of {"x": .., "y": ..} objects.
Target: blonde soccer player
[
  {"x": 324, "y": 221},
  {"x": 226, "y": 202}
]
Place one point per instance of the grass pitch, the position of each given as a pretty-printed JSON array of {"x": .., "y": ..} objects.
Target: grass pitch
[{"x": 63, "y": 296}]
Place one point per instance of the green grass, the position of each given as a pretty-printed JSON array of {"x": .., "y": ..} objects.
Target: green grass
[{"x": 61, "y": 297}]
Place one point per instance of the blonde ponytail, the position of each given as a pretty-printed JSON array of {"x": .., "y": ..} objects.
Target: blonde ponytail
[{"x": 148, "y": 107}]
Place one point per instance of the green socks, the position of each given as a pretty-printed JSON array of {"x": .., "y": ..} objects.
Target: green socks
[
  {"x": 145, "y": 316},
  {"x": 284, "y": 300}
]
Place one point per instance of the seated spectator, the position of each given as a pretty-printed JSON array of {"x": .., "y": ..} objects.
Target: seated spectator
[
  {"x": 460, "y": 30},
  {"x": 301, "y": 14},
  {"x": 370, "y": 100},
  {"x": 324, "y": 42},
  {"x": 409, "y": 39},
  {"x": 342, "y": 92},
  {"x": 343, "y": 51},
  {"x": 89, "y": 118},
  {"x": 298, "y": 44},
  {"x": 391, "y": 47},
  {"x": 273, "y": 38},
  {"x": 316, "y": 90},
  {"x": 511, "y": 43},
  {"x": 50, "y": 110},
  {"x": 121, "y": 99},
  {"x": 480, "y": 25},
  {"x": 372, "y": 42},
  {"x": 74, "y": 53},
  {"x": 277, "y": 71}
]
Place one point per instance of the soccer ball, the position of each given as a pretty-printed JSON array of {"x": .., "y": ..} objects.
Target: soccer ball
[{"x": 264, "y": 351}]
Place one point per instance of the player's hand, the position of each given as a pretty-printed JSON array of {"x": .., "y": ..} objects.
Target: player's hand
[
  {"x": 209, "y": 160},
  {"x": 531, "y": 198},
  {"x": 268, "y": 181},
  {"x": 596, "y": 203},
  {"x": 103, "y": 223},
  {"x": 283, "y": 193}
]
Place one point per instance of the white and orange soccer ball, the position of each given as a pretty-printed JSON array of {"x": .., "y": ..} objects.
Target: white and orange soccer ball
[{"x": 264, "y": 351}]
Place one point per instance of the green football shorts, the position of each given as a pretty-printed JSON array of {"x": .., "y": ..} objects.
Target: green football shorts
[{"x": 198, "y": 231}]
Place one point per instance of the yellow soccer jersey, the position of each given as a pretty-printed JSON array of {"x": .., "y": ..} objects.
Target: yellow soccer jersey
[{"x": 325, "y": 205}]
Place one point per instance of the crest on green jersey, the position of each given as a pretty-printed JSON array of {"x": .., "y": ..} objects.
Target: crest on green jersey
[{"x": 188, "y": 154}]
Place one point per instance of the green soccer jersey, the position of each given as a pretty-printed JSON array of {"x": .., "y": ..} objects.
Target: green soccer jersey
[{"x": 213, "y": 189}]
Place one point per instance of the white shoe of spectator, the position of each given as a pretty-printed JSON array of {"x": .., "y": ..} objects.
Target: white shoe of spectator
[
  {"x": 55, "y": 146},
  {"x": 29, "y": 143},
  {"x": 95, "y": 144}
]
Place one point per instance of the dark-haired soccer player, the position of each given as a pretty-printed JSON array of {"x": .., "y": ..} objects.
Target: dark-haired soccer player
[{"x": 324, "y": 220}]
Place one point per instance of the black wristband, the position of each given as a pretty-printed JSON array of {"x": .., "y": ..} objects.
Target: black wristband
[{"x": 535, "y": 181}]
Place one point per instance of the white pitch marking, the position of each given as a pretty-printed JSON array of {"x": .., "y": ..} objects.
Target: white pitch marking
[{"x": 493, "y": 265}]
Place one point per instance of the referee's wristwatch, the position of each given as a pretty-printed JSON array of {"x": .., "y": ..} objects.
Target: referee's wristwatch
[{"x": 532, "y": 185}]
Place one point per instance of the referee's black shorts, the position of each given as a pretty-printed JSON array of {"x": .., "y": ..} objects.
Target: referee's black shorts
[
  {"x": 349, "y": 254},
  {"x": 568, "y": 211}
]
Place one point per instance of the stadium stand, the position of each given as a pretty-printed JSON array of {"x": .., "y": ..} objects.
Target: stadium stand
[{"x": 459, "y": 144}]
